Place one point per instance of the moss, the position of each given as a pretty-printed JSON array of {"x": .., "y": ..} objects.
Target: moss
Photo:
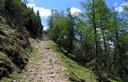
[
  {"x": 2, "y": 19},
  {"x": 3, "y": 57},
  {"x": 6, "y": 30},
  {"x": 6, "y": 66}
]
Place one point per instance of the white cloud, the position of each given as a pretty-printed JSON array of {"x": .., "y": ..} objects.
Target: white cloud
[
  {"x": 75, "y": 11},
  {"x": 31, "y": 5},
  {"x": 45, "y": 28},
  {"x": 120, "y": 8},
  {"x": 44, "y": 12}
]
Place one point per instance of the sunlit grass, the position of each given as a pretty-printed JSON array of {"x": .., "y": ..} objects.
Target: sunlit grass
[{"x": 76, "y": 72}]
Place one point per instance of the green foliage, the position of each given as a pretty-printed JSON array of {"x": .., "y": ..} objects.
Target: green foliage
[
  {"x": 77, "y": 73},
  {"x": 17, "y": 14},
  {"x": 96, "y": 38},
  {"x": 62, "y": 30},
  {"x": 57, "y": 23},
  {"x": 17, "y": 23}
]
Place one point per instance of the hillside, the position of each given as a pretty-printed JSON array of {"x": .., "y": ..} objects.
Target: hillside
[
  {"x": 86, "y": 44},
  {"x": 15, "y": 31},
  {"x": 48, "y": 64},
  {"x": 13, "y": 49}
]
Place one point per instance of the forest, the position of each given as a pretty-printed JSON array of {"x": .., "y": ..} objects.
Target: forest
[{"x": 96, "y": 39}]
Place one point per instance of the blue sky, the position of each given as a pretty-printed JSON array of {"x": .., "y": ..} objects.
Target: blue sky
[{"x": 44, "y": 6}]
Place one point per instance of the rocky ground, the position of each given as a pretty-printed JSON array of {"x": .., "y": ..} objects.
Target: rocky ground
[{"x": 44, "y": 67}]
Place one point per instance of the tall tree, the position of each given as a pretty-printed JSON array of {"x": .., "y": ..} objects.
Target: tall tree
[
  {"x": 97, "y": 16},
  {"x": 70, "y": 30}
]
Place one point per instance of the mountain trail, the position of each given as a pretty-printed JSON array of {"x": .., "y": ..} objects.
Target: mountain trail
[{"x": 44, "y": 67}]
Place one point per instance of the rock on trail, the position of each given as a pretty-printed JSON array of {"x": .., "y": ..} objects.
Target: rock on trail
[{"x": 46, "y": 67}]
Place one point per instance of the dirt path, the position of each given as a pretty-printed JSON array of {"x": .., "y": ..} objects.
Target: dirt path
[{"x": 45, "y": 67}]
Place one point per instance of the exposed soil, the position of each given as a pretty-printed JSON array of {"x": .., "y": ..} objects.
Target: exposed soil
[{"x": 45, "y": 67}]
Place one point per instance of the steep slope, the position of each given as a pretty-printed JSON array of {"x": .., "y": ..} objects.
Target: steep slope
[
  {"x": 77, "y": 73},
  {"x": 48, "y": 64},
  {"x": 17, "y": 24},
  {"x": 13, "y": 48}
]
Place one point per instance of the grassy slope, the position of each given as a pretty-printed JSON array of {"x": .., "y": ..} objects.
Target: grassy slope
[
  {"x": 18, "y": 74},
  {"x": 12, "y": 53},
  {"x": 77, "y": 72}
]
